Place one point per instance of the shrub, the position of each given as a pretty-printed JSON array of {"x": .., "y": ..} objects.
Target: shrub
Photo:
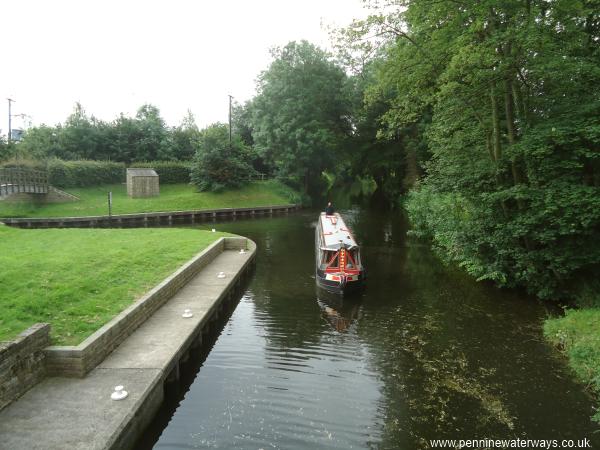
[
  {"x": 218, "y": 164},
  {"x": 84, "y": 173},
  {"x": 547, "y": 246},
  {"x": 169, "y": 172},
  {"x": 24, "y": 163},
  {"x": 576, "y": 334},
  {"x": 287, "y": 192}
]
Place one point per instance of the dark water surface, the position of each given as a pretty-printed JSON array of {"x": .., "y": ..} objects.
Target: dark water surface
[{"x": 424, "y": 353}]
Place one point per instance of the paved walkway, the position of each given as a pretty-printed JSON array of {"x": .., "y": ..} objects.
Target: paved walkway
[{"x": 70, "y": 413}]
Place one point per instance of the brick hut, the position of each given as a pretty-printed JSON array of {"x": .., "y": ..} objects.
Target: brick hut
[{"x": 142, "y": 183}]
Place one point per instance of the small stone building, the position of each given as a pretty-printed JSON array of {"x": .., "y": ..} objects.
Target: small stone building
[{"x": 142, "y": 183}]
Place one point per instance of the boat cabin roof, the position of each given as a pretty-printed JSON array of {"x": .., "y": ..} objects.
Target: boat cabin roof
[{"x": 335, "y": 233}]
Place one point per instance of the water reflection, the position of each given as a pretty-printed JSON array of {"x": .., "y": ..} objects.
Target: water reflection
[
  {"x": 460, "y": 358},
  {"x": 339, "y": 311},
  {"x": 423, "y": 353}
]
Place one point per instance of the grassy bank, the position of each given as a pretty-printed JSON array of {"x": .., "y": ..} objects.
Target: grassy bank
[
  {"x": 578, "y": 335},
  {"x": 174, "y": 197},
  {"x": 77, "y": 280}
]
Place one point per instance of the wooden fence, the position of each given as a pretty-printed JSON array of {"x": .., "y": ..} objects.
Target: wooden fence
[{"x": 17, "y": 180}]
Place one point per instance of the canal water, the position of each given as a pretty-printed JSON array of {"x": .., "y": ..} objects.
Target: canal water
[{"x": 423, "y": 353}]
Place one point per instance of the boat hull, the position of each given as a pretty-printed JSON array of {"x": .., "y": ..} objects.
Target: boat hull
[{"x": 339, "y": 287}]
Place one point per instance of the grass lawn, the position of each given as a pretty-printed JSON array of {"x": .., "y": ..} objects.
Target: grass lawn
[
  {"x": 578, "y": 334},
  {"x": 173, "y": 197},
  {"x": 78, "y": 279}
]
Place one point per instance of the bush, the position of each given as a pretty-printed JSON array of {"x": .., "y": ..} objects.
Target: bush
[
  {"x": 65, "y": 174},
  {"x": 82, "y": 173},
  {"x": 446, "y": 220},
  {"x": 576, "y": 334},
  {"x": 24, "y": 163},
  {"x": 169, "y": 172},
  {"x": 218, "y": 164},
  {"x": 287, "y": 192},
  {"x": 549, "y": 246}
]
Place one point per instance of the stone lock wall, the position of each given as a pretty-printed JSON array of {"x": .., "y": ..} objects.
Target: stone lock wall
[
  {"x": 77, "y": 361},
  {"x": 22, "y": 362},
  {"x": 29, "y": 358}
]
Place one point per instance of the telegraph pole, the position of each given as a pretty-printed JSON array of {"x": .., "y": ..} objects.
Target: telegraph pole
[
  {"x": 10, "y": 101},
  {"x": 230, "y": 97}
]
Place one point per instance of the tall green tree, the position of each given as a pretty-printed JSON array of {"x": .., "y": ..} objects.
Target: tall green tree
[
  {"x": 122, "y": 137},
  {"x": 503, "y": 97},
  {"x": 242, "y": 126},
  {"x": 78, "y": 137},
  {"x": 153, "y": 139},
  {"x": 219, "y": 164},
  {"x": 388, "y": 156},
  {"x": 42, "y": 142},
  {"x": 185, "y": 138},
  {"x": 300, "y": 114},
  {"x": 144, "y": 137}
]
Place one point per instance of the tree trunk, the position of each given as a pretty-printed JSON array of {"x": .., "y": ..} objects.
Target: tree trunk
[
  {"x": 510, "y": 128},
  {"x": 488, "y": 144},
  {"x": 496, "y": 145},
  {"x": 493, "y": 142},
  {"x": 411, "y": 174},
  {"x": 520, "y": 104},
  {"x": 512, "y": 139},
  {"x": 510, "y": 112}
]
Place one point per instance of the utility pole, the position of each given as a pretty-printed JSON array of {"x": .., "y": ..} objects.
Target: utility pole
[
  {"x": 10, "y": 101},
  {"x": 230, "y": 97}
]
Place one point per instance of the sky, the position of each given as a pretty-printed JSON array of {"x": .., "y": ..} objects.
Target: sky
[{"x": 114, "y": 56}]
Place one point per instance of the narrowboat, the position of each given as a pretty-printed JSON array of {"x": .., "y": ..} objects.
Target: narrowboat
[{"x": 338, "y": 264}]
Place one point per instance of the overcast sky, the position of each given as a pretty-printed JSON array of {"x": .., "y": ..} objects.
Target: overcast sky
[{"x": 114, "y": 56}]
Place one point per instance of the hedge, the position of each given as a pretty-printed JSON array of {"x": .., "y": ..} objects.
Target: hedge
[
  {"x": 65, "y": 174},
  {"x": 84, "y": 173},
  {"x": 25, "y": 163},
  {"x": 81, "y": 173},
  {"x": 169, "y": 172}
]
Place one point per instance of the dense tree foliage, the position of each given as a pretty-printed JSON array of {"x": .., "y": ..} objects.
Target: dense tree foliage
[
  {"x": 219, "y": 164},
  {"x": 300, "y": 114},
  {"x": 389, "y": 158},
  {"x": 4, "y": 149},
  {"x": 144, "y": 137},
  {"x": 504, "y": 98},
  {"x": 241, "y": 125},
  {"x": 185, "y": 138}
]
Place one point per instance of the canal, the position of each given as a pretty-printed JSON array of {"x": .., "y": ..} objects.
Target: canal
[{"x": 423, "y": 353}]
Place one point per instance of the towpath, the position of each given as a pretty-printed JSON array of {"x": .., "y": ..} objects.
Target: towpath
[{"x": 78, "y": 413}]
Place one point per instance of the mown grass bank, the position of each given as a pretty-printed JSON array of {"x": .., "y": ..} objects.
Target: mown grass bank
[
  {"x": 79, "y": 279},
  {"x": 578, "y": 335},
  {"x": 173, "y": 197}
]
